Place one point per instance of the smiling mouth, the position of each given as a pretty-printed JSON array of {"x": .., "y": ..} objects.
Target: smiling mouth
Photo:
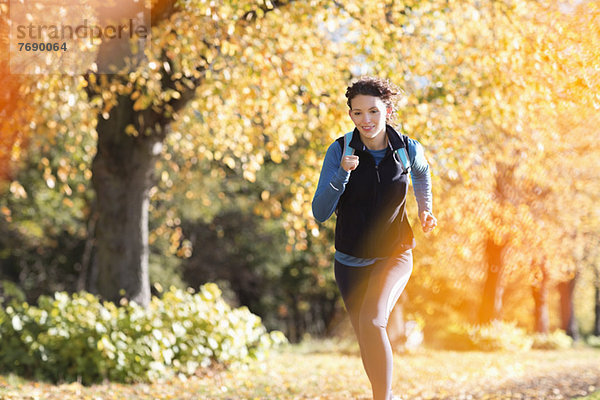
[{"x": 368, "y": 127}]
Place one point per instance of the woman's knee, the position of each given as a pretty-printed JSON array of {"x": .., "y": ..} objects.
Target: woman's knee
[{"x": 368, "y": 321}]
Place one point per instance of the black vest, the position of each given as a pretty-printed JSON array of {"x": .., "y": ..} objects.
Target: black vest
[{"x": 371, "y": 214}]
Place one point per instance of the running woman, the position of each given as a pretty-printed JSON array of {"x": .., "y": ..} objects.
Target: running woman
[{"x": 364, "y": 180}]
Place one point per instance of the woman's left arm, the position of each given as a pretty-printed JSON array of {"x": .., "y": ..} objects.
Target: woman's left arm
[{"x": 421, "y": 179}]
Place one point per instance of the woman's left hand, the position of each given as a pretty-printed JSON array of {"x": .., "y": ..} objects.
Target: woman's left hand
[{"x": 428, "y": 221}]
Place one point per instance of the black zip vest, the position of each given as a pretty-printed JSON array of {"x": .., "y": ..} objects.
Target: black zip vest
[{"x": 371, "y": 214}]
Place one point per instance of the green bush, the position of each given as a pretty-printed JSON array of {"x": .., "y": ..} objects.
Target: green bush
[
  {"x": 499, "y": 335},
  {"x": 558, "y": 340},
  {"x": 80, "y": 338},
  {"x": 593, "y": 341},
  {"x": 495, "y": 336},
  {"x": 10, "y": 291}
]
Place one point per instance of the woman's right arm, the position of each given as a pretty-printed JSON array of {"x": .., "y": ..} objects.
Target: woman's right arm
[{"x": 332, "y": 183}]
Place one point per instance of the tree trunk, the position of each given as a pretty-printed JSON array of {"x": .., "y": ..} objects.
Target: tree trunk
[
  {"x": 123, "y": 171},
  {"x": 491, "y": 303},
  {"x": 123, "y": 167},
  {"x": 540, "y": 298},
  {"x": 569, "y": 323},
  {"x": 596, "y": 330}
]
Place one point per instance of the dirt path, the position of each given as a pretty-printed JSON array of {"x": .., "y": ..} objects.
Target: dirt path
[
  {"x": 554, "y": 386},
  {"x": 568, "y": 382}
]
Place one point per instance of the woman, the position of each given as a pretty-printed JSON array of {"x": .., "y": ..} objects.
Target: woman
[{"x": 365, "y": 181}]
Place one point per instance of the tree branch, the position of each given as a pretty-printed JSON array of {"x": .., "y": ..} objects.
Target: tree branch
[{"x": 266, "y": 8}]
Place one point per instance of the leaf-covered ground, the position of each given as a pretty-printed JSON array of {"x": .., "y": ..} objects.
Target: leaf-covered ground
[{"x": 326, "y": 371}]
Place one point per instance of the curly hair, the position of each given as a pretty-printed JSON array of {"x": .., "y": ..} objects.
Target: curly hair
[{"x": 378, "y": 87}]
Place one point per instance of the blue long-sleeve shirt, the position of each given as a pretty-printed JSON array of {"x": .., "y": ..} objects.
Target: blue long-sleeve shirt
[{"x": 333, "y": 180}]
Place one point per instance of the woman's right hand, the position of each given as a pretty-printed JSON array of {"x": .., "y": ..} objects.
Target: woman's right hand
[{"x": 349, "y": 163}]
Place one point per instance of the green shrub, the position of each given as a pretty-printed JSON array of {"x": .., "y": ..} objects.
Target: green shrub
[
  {"x": 10, "y": 291},
  {"x": 558, "y": 340},
  {"x": 454, "y": 337},
  {"x": 594, "y": 341},
  {"x": 495, "y": 336},
  {"x": 499, "y": 335},
  {"x": 78, "y": 337}
]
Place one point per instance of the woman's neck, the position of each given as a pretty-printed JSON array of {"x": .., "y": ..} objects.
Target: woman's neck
[{"x": 379, "y": 142}]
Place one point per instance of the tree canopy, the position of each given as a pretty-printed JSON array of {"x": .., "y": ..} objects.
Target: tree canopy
[{"x": 502, "y": 94}]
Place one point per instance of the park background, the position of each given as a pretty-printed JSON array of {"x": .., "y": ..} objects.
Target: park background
[{"x": 197, "y": 163}]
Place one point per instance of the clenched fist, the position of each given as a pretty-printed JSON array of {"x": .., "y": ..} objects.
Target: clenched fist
[
  {"x": 428, "y": 221},
  {"x": 349, "y": 163}
]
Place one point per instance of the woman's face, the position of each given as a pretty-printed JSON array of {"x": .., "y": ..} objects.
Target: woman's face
[{"x": 369, "y": 114}]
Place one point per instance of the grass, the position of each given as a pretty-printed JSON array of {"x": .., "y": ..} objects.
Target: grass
[
  {"x": 332, "y": 370},
  {"x": 593, "y": 396}
]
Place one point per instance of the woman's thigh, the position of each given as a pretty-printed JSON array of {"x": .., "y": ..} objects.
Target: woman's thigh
[
  {"x": 352, "y": 283},
  {"x": 386, "y": 283}
]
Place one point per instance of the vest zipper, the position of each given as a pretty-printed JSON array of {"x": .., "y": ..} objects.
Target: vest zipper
[{"x": 377, "y": 171}]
